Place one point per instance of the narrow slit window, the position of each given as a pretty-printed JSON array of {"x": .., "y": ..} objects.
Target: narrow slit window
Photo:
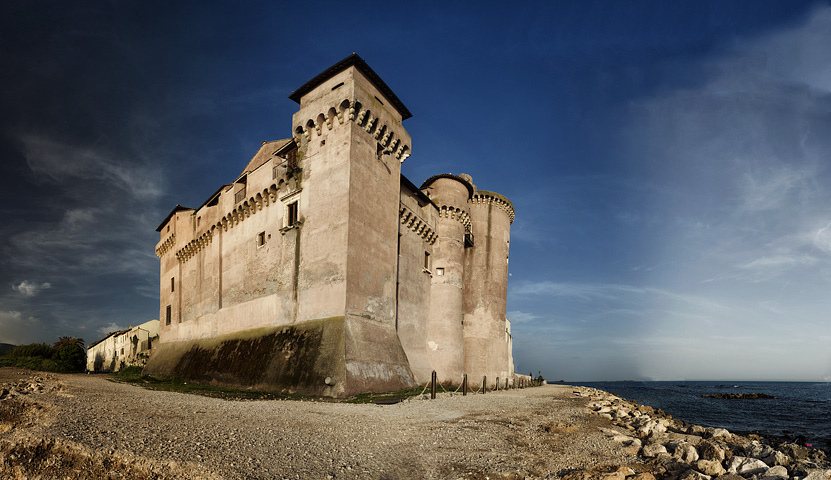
[
  {"x": 167, "y": 316},
  {"x": 260, "y": 239},
  {"x": 427, "y": 261},
  {"x": 172, "y": 284}
]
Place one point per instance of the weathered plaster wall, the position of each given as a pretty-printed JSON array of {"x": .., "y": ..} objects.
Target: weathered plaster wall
[
  {"x": 445, "y": 328},
  {"x": 417, "y": 222},
  {"x": 486, "y": 284}
]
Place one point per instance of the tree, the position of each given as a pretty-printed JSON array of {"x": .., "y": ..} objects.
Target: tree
[{"x": 68, "y": 341}]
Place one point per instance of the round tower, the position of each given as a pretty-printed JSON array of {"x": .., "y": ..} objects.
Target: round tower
[
  {"x": 486, "y": 338},
  {"x": 445, "y": 338}
]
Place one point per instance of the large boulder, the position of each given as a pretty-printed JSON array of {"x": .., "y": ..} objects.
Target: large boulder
[
  {"x": 778, "y": 458},
  {"x": 653, "y": 450},
  {"x": 745, "y": 466},
  {"x": 712, "y": 468},
  {"x": 775, "y": 473},
  {"x": 685, "y": 453},
  {"x": 711, "y": 450}
]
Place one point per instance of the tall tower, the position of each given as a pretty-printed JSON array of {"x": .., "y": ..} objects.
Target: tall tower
[
  {"x": 351, "y": 145},
  {"x": 486, "y": 337},
  {"x": 445, "y": 336}
]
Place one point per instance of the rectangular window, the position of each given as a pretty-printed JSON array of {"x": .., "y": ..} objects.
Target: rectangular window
[
  {"x": 240, "y": 195},
  {"x": 260, "y": 239},
  {"x": 439, "y": 271},
  {"x": 291, "y": 214},
  {"x": 167, "y": 317},
  {"x": 291, "y": 160},
  {"x": 427, "y": 261},
  {"x": 173, "y": 284}
]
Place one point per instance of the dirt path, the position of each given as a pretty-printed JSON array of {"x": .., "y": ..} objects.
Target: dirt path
[{"x": 84, "y": 426}]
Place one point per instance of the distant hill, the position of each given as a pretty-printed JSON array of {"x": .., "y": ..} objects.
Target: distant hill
[{"x": 5, "y": 347}]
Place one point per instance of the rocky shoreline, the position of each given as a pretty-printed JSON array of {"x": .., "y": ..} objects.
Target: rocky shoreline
[{"x": 677, "y": 450}]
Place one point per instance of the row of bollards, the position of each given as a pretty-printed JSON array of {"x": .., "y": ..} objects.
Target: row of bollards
[{"x": 520, "y": 383}]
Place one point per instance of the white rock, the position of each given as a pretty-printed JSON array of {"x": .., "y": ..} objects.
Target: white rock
[
  {"x": 626, "y": 440},
  {"x": 710, "y": 467},
  {"x": 732, "y": 465},
  {"x": 685, "y": 453},
  {"x": 653, "y": 449},
  {"x": 775, "y": 473},
  {"x": 659, "y": 428},
  {"x": 752, "y": 466},
  {"x": 718, "y": 432},
  {"x": 818, "y": 474}
]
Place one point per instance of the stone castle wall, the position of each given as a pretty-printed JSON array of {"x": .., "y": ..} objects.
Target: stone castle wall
[{"x": 326, "y": 262}]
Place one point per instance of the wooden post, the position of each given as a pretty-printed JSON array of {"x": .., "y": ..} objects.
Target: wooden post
[
  {"x": 464, "y": 385},
  {"x": 484, "y": 384},
  {"x": 433, "y": 386}
]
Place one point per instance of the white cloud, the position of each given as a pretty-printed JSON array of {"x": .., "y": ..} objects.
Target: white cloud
[
  {"x": 517, "y": 316},
  {"x": 30, "y": 289},
  {"x": 64, "y": 162},
  {"x": 779, "y": 261},
  {"x": 112, "y": 327}
]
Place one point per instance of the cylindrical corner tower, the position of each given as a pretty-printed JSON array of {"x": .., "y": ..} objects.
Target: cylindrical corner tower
[
  {"x": 486, "y": 284},
  {"x": 445, "y": 339}
]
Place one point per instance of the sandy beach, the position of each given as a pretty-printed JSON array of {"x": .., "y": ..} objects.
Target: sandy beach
[{"x": 87, "y": 426}]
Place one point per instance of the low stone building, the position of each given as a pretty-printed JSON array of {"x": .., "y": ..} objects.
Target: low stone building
[
  {"x": 122, "y": 348},
  {"x": 321, "y": 269}
]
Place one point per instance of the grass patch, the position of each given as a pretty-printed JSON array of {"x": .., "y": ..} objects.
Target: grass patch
[
  {"x": 385, "y": 398},
  {"x": 134, "y": 376}
]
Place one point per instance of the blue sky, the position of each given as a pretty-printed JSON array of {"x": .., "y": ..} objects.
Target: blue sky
[{"x": 670, "y": 162}]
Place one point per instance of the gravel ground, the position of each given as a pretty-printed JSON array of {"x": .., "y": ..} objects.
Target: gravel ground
[{"x": 85, "y": 426}]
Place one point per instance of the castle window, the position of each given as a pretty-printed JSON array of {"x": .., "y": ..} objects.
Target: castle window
[
  {"x": 291, "y": 214},
  {"x": 172, "y": 284},
  {"x": 427, "y": 262},
  {"x": 239, "y": 189},
  {"x": 260, "y": 239},
  {"x": 291, "y": 160},
  {"x": 167, "y": 316},
  {"x": 439, "y": 271}
]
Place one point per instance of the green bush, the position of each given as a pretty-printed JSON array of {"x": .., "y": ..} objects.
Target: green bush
[
  {"x": 71, "y": 358},
  {"x": 32, "y": 350},
  {"x": 40, "y": 356}
]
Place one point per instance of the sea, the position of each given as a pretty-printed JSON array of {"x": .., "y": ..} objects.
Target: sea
[{"x": 801, "y": 411}]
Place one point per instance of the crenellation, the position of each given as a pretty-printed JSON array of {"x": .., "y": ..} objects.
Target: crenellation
[
  {"x": 413, "y": 222},
  {"x": 488, "y": 198},
  {"x": 166, "y": 245}
]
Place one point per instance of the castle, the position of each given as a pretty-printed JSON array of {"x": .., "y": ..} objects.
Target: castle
[{"x": 322, "y": 270}]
